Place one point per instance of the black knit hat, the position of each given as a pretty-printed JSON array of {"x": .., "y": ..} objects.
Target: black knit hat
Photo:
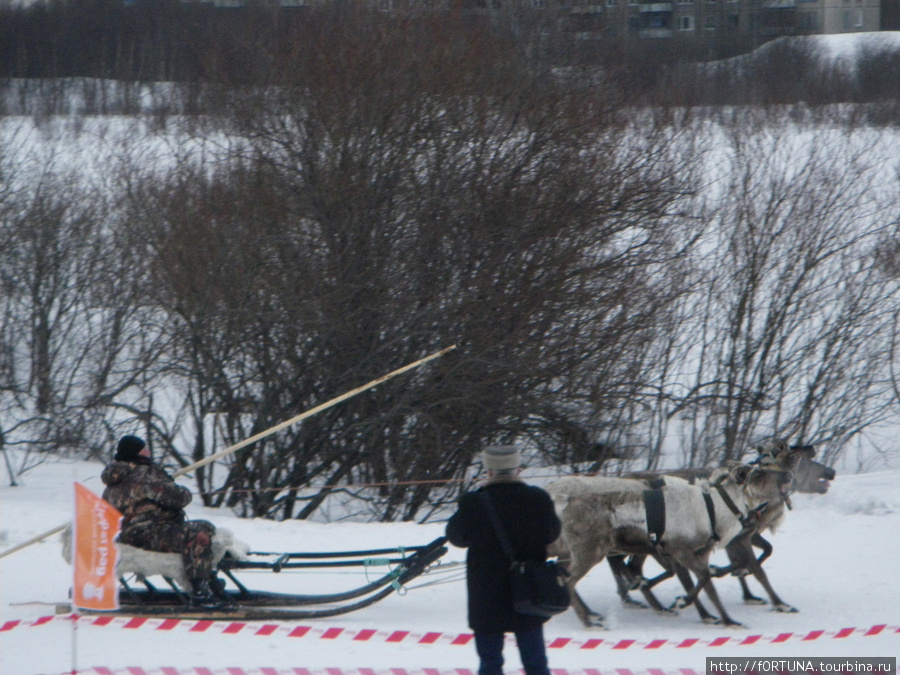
[{"x": 129, "y": 448}]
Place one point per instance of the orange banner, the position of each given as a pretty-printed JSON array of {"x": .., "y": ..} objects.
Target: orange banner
[{"x": 95, "y": 529}]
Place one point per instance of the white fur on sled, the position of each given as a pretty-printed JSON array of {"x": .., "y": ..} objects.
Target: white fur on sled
[{"x": 143, "y": 563}]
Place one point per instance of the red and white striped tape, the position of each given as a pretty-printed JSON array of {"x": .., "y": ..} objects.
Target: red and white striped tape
[
  {"x": 132, "y": 670},
  {"x": 290, "y": 630}
]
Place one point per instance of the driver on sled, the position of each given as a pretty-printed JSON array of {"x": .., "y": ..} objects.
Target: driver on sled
[{"x": 152, "y": 506}]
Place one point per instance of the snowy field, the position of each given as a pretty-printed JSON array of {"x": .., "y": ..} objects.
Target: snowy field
[{"x": 835, "y": 560}]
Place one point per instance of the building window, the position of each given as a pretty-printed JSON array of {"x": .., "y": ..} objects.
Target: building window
[
  {"x": 853, "y": 18},
  {"x": 709, "y": 23},
  {"x": 808, "y": 20},
  {"x": 611, "y": 3},
  {"x": 686, "y": 23}
]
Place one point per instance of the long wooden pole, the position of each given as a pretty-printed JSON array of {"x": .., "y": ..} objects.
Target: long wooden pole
[
  {"x": 259, "y": 436},
  {"x": 309, "y": 413}
]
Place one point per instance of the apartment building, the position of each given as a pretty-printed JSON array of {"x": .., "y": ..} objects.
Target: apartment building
[{"x": 753, "y": 21}]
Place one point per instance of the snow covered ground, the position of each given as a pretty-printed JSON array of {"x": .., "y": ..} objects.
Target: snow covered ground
[{"x": 835, "y": 559}]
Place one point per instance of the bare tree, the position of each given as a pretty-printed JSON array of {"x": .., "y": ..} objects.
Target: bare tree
[
  {"x": 402, "y": 186},
  {"x": 72, "y": 340},
  {"x": 793, "y": 326}
]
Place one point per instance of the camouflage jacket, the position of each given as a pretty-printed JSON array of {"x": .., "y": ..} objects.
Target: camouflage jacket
[{"x": 145, "y": 495}]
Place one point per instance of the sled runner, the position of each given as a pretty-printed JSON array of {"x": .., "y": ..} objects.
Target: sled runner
[{"x": 238, "y": 600}]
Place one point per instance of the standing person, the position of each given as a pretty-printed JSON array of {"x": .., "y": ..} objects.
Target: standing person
[
  {"x": 527, "y": 515},
  {"x": 152, "y": 506}
]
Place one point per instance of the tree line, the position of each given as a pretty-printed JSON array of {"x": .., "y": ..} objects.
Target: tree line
[
  {"x": 196, "y": 44},
  {"x": 623, "y": 282}
]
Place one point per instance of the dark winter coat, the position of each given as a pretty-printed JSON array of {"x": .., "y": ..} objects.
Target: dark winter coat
[
  {"x": 147, "y": 498},
  {"x": 531, "y": 524},
  {"x": 152, "y": 506}
]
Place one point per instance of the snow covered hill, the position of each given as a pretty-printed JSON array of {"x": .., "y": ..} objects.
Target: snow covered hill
[{"x": 835, "y": 559}]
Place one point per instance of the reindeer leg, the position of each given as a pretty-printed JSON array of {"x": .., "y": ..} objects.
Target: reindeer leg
[
  {"x": 685, "y": 578},
  {"x": 743, "y": 562},
  {"x": 626, "y": 580},
  {"x": 700, "y": 567},
  {"x": 758, "y": 541},
  {"x": 648, "y": 584},
  {"x": 578, "y": 566},
  {"x": 759, "y": 573}
]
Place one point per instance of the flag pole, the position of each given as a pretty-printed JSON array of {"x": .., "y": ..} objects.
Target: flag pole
[{"x": 268, "y": 432}]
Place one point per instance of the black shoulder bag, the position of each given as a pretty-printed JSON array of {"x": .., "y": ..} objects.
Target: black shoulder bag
[{"x": 538, "y": 588}]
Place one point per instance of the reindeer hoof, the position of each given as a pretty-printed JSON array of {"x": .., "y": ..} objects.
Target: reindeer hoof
[
  {"x": 712, "y": 620},
  {"x": 593, "y": 621},
  {"x": 786, "y": 609},
  {"x": 680, "y": 602},
  {"x": 631, "y": 603},
  {"x": 753, "y": 600}
]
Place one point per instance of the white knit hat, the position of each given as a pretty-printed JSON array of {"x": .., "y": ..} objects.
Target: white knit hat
[{"x": 501, "y": 457}]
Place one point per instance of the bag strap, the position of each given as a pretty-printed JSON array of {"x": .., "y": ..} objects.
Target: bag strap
[{"x": 498, "y": 526}]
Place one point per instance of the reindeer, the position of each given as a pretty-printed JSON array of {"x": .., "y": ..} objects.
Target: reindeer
[
  {"x": 809, "y": 476},
  {"x": 603, "y": 515}
]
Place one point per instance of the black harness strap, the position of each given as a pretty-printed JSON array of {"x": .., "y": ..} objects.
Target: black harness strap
[
  {"x": 743, "y": 518},
  {"x": 655, "y": 505},
  {"x": 711, "y": 512}
]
